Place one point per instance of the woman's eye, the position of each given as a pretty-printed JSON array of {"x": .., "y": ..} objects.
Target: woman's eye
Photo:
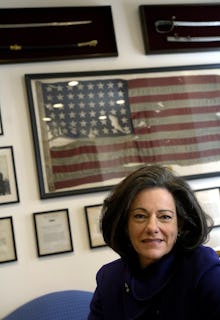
[
  {"x": 165, "y": 217},
  {"x": 139, "y": 216}
]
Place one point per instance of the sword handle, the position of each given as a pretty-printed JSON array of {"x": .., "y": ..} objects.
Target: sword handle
[
  {"x": 92, "y": 43},
  {"x": 164, "y": 26},
  {"x": 18, "y": 47}
]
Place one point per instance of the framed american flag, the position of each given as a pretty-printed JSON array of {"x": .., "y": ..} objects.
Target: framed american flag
[{"x": 91, "y": 129}]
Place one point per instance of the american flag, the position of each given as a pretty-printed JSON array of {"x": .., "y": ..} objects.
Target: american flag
[{"x": 106, "y": 128}]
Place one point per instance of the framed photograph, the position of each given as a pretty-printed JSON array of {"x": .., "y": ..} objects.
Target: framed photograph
[
  {"x": 8, "y": 251},
  {"x": 209, "y": 200},
  {"x": 1, "y": 127},
  {"x": 56, "y": 33},
  {"x": 8, "y": 180},
  {"x": 53, "y": 232},
  {"x": 93, "y": 215},
  {"x": 91, "y": 129},
  {"x": 180, "y": 27}
]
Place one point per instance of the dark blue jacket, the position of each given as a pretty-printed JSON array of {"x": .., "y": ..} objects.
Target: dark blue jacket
[{"x": 180, "y": 286}]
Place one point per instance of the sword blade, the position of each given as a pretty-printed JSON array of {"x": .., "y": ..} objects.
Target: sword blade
[
  {"x": 165, "y": 26},
  {"x": 196, "y": 23},
  {"x": 44, "y": 24},
  {"x": 192, "y": 39}
]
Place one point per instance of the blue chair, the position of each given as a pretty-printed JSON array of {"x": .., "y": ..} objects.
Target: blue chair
[{"x": 59, "y": 305}]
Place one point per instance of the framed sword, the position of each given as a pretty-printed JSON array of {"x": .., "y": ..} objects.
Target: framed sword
[
  {"x": 180, "y": 28},
  {"x": 56, "y": 33}
]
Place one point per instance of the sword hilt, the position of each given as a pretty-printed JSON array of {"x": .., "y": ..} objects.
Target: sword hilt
[{"x": 164, "y": 26}]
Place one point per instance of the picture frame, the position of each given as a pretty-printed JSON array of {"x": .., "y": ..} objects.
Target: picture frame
[
  {"x": 209, "y": 200},
  {"x": 53, "y": 232},
  {"x": 90, "y": 135},
  {"x": 177, "y": 28},
  {"x": 8, "y": 252},
  {"x": 8, "y": 180},
  {"x": 56, "y": 33},
  {"x": 1, "y": 127},
  {"x": 93, "y": 215},
  {"x": 214, "y": 239}
]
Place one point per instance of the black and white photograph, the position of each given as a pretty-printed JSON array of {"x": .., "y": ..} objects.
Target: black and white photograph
[
  {"x": 8, "y": 179},
  {"x": 8, "y": 251}
]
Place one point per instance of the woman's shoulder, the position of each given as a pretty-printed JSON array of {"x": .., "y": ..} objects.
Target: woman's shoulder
[
  {"x": 113, "y": 266},
  {"x": 113, "y": 269},
  {"x": 204, "y": 254},
  {"x": 200, "y": 260}
]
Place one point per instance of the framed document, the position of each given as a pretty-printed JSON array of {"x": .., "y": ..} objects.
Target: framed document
[
  {"x": 91, "y": 129},
  {"x": 93, "y": 215},
  {"x": 53, "y": 233},
  {"x": 7, "y": 240},
  {"x": 214, "y": 239},
  {"x": 8, "y": 180},
  {"x": 209, "y": 200}
]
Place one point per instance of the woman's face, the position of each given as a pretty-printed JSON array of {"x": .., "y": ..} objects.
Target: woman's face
[{"x": 152, "y": 224}]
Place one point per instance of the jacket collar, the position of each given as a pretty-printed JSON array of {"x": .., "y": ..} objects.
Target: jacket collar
[{"x": 146, "y": 283}]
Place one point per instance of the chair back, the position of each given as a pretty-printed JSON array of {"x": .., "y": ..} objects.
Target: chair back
[{"x": 59, "y": 305}]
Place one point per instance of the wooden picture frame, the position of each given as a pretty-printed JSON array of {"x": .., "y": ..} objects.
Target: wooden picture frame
[
  {"x": 176, "y": 28},
  {"x": 8, "y": 252},
  {"x": 89, "y": 136},
  {"x": 56, "y": 33},
  {"x": 93, "y": 215},
  {"x": 8, "y": 180},
  {"x": 53, "y": 232}
]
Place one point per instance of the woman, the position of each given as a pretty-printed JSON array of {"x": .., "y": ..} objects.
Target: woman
[{"x": 154, "y": 222}]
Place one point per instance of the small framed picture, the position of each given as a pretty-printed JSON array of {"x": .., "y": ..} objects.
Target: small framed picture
[
  {"x": 53, "y": 232},
  {"x": 1, "y": 128},
  {"x": 209, "y": 200},
  {"x": 7, "y": 240},
  {"x": 214, "y": 239},
  {"x": 8, "y": 180},
  {"x": 93, "y": 215}
]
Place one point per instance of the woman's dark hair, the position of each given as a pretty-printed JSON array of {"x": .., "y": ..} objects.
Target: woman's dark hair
[{"x": 193, "y": 222}]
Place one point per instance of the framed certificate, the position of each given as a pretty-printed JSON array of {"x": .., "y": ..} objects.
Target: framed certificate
[
  {"x": 209, "y": 200},
  {"x": 53, "y": 233}
]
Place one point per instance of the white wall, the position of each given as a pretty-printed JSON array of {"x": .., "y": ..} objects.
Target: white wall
[{"x": 31, "y": 276}]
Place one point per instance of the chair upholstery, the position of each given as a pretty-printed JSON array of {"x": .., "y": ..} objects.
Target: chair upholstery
[{"x": 59, "y": 305}]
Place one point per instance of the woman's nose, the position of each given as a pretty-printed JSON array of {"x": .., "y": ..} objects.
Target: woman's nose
[{"x": 152, "y": 224}]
